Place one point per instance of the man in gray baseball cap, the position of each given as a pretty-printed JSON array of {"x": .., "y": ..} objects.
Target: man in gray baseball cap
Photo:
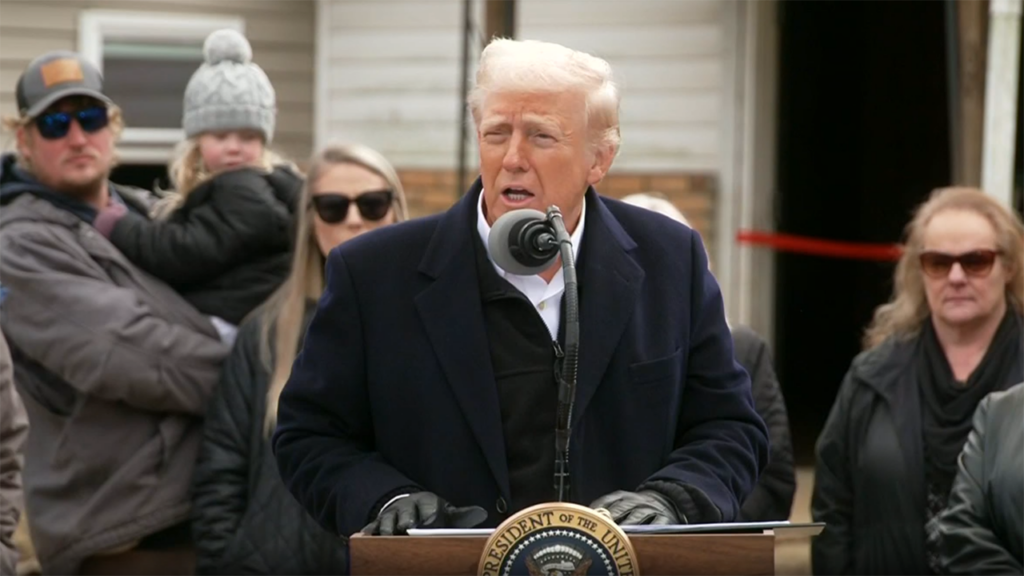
[
  {"x": 66, "y": 130},
  {"x": 113, "y": 366},
  {"x": 57, "y": 75}
]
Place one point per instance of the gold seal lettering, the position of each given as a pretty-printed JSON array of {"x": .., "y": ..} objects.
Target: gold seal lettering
[
  {"x": 528, "y": 535},
  {"x": 541, "y": 520},
  {"x": 586, "y": 524}
]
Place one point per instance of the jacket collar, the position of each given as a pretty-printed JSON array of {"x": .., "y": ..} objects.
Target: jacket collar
[
  {"x": 15, "y": 182},
  {"x": 889, "y": 367}
]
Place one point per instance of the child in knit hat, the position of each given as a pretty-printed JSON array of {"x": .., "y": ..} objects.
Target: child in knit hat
[{"x": 226, "y": 246}]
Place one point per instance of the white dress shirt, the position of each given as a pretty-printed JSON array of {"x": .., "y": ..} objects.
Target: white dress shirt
[{"x": 546, "y": 297}]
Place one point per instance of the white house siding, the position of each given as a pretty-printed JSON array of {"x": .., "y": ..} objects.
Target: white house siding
[
  {"x": 667, "y": 57},
  {"x": 393, "y": 74},
  {"x": 392, "y": 78}
]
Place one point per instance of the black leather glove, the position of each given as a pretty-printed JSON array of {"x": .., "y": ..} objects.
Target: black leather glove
[
  {"x": 423, "y": 510},
  {"x": 644, "y": 507}
]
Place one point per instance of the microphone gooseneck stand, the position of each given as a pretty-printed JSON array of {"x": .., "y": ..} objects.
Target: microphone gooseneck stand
[{"x": 567, "y": 379}]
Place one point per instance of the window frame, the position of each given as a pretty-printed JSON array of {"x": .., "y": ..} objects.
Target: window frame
[{"x": 95, "y": 26}]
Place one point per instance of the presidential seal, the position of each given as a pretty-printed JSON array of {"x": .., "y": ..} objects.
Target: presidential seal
[{"x": 558, "y": 539}]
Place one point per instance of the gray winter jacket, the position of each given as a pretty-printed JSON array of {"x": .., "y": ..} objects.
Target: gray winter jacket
[
  {"x": 115, "y": 370},
  {"x": 13, "y": 428}
]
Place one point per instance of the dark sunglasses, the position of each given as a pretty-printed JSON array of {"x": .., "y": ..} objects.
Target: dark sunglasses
[
  {"x": 974, "y": 263},
  {"x": 333, "y": 208},
  {"x": 54, "y": 125}
]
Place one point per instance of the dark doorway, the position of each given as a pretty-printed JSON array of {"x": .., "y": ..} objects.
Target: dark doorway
[
  {"x": 862, "y": 138},
  {"x": 146, "y": 176},
  {"x": 1018, "y": 169}
]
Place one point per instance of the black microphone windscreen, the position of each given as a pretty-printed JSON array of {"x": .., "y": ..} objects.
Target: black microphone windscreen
[{"x": 503, "y": 243}]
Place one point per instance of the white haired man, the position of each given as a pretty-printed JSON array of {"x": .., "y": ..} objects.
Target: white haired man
[
  {"x": 113, "y": 366},
  {"x": 425, "y": 394}
]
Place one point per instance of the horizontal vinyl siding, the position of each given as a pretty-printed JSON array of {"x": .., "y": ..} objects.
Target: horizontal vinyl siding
[
  {"x": 393, "y": 78},
  {"x": 667, "y": 56},
  {"x": 393, "y": 74}
]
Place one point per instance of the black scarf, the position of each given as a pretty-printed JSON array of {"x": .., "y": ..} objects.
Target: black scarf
[{"x": 947, "y": 406}]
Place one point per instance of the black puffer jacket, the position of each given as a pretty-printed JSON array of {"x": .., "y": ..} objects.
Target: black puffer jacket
[
  {"x": 244, "y": 520},
  {"x": 772, "y": 497},
  {"x": 227, "y": 248}
]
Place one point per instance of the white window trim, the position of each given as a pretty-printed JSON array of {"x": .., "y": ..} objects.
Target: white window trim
[
  {"x": 94, "y": 26},
  {"x": 142, "y": 155}
]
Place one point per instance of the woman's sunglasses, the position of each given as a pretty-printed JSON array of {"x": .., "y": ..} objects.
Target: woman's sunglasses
[
  {"x": 333, "y": 208},
  {"x": 54, "y": 125},
  {"x": 976, "y": 263}
]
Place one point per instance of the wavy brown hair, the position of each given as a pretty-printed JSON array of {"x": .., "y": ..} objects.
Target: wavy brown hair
[{"x": 904, "y": 314}]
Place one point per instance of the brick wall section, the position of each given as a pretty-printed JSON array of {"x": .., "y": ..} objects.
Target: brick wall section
[{"x": 430, "y": 192}]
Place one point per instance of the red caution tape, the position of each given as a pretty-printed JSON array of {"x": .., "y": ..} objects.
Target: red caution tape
[{"x": 819, "y": 247}]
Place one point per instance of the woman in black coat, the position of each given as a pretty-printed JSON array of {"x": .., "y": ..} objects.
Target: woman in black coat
[
  {"x": 244, "y": 519},
  {"x": 886, "y": 458},
  {"x": 982, "y": 528}
]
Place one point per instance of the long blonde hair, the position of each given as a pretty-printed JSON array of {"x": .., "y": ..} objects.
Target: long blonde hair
[
  {"x": 282, "y": 315},
  {"x": 904, "y": 314},
  {"x": 187, "y": 171}
]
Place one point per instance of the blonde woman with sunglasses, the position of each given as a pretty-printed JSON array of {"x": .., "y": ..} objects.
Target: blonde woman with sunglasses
[
  {"x": 244, "y": 519},
  {"x": 951, "y": 334}
]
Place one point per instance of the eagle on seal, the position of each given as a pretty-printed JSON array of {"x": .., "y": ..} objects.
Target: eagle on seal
[{"x": 535, "y": 570}]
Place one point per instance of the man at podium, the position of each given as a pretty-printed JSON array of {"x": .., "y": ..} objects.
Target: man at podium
[{"x": 425, "y": 393}]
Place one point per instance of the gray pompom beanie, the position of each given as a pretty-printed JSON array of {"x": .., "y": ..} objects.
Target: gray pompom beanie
[{"x": 229, "y": 92}]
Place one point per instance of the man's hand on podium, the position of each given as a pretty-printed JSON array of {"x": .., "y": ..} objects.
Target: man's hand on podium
[
  {"x": 644, "y": 507},
  {"x": 423, "y": 510}
]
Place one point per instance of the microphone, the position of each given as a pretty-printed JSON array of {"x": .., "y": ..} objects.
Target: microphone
[
  {"x": 526, "y": 242},
  {"x": 523, "y": 242}
]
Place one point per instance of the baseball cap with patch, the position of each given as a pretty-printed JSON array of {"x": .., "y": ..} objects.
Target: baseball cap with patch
[{"x": 57, "y": 75}]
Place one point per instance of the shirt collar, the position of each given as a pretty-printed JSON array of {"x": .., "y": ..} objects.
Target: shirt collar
[{"x": 485, "y": 230}]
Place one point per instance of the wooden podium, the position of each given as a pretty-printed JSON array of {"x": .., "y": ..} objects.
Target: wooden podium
[{"x": 658, "y": 555}]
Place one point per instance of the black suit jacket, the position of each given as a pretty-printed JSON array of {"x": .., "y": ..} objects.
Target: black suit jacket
[{"x": 394, "y": 390}]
